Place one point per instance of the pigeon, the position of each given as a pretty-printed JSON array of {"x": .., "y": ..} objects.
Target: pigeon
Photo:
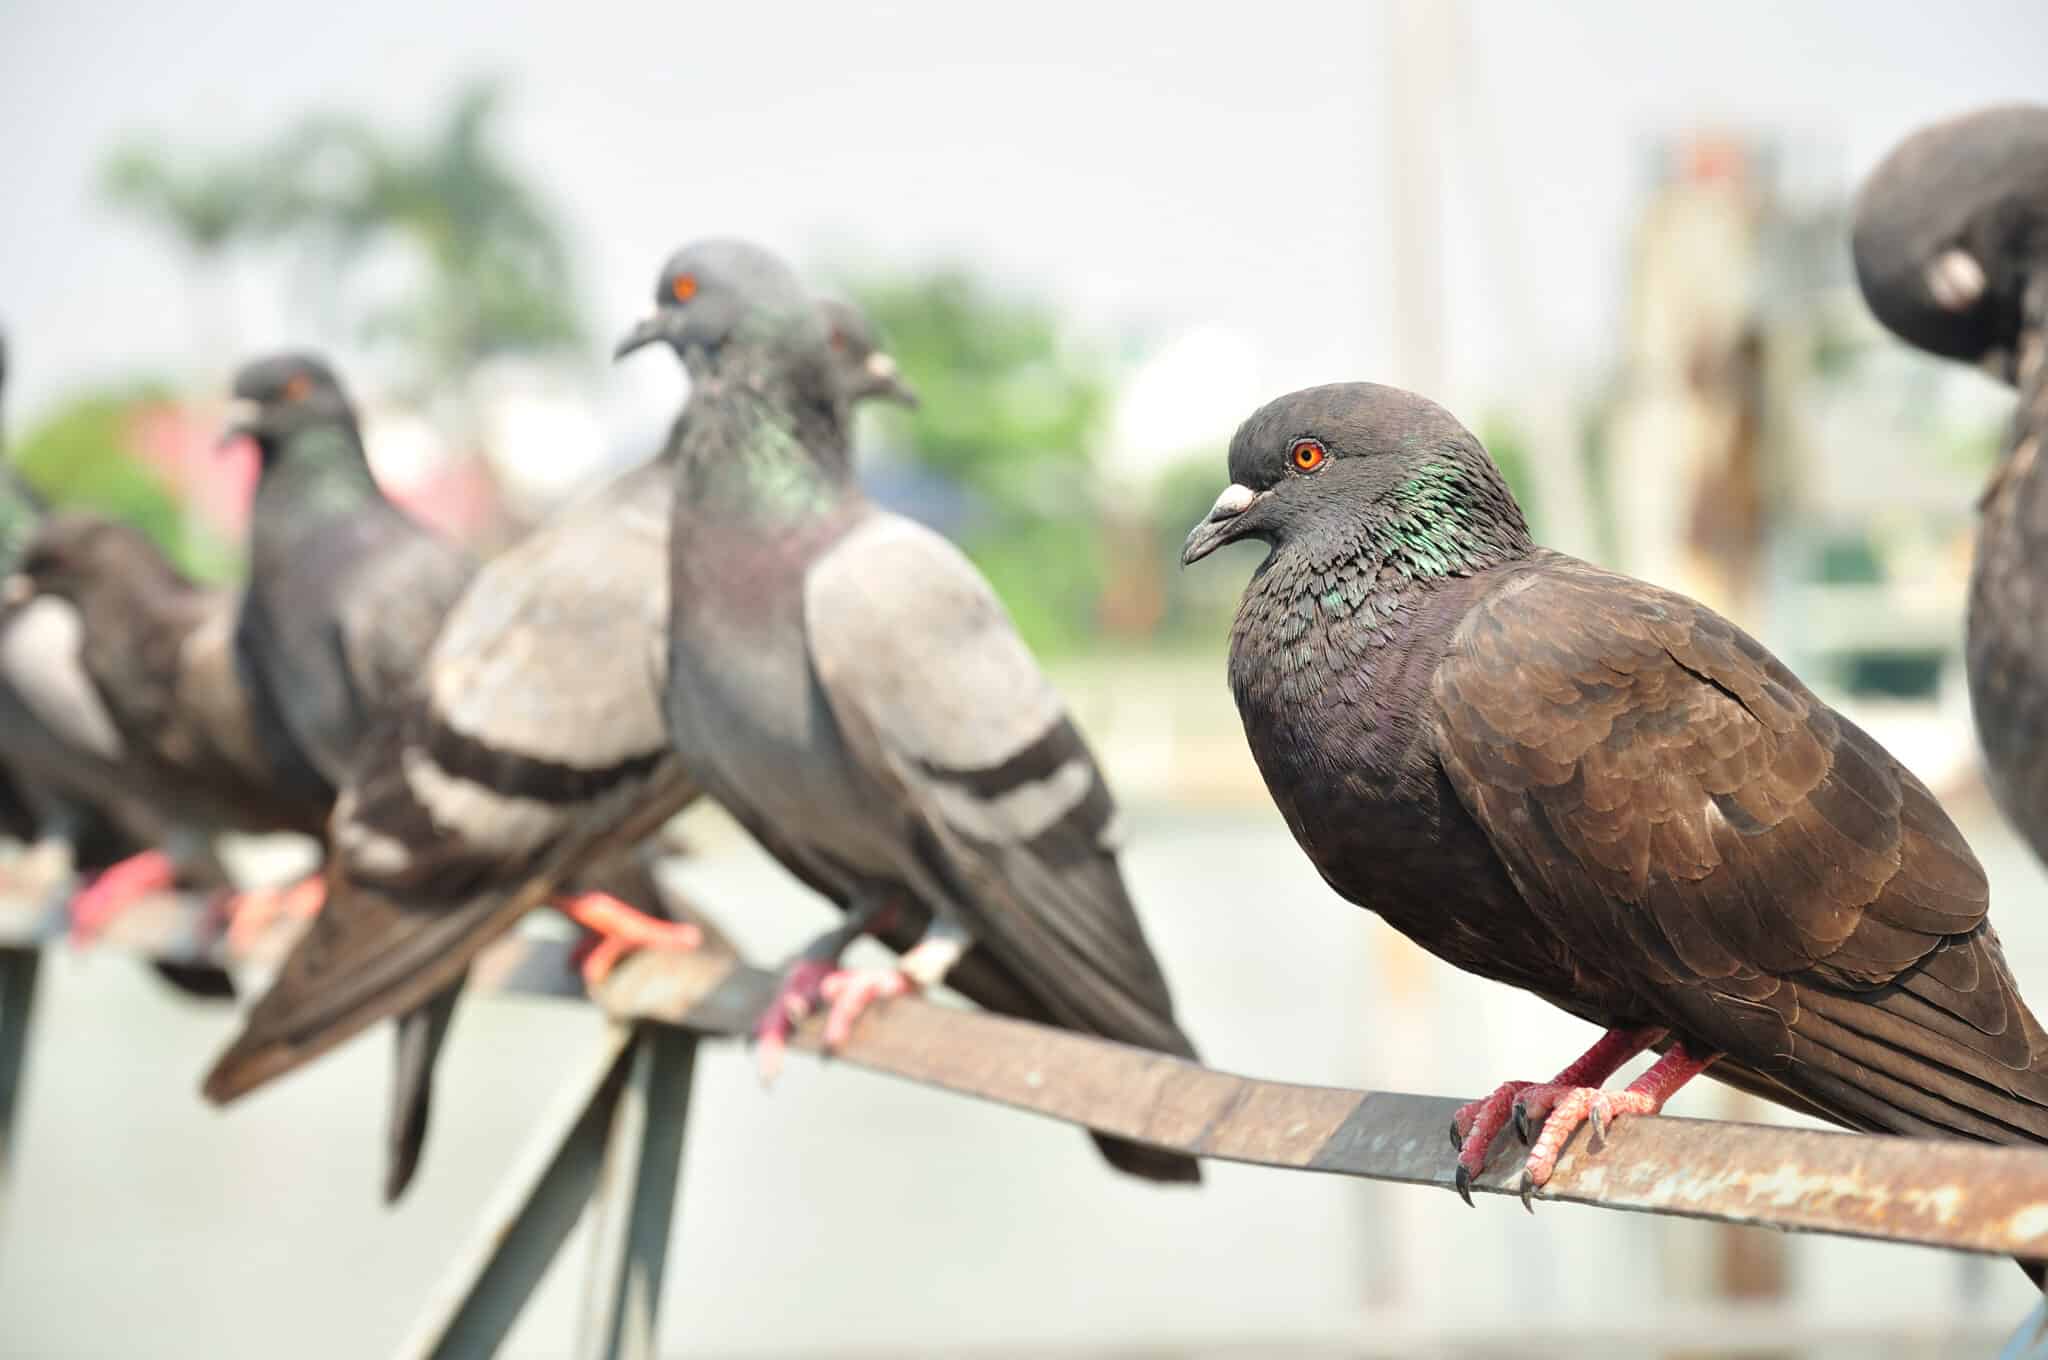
[
  {"x": 1597, "y": 790},
  {"x": 520, "y": 768},
  {"x": 158, "y": 651},
  {"x": 346, "y": 591},
  {"x": 70, "y": 792},
  {"x": 1951, "y": 250},
  {"x": 847, "y": 685}
]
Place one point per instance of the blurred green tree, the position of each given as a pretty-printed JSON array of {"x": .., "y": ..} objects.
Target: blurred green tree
[
  {"x": 491, "y": 262},
  {"x": 208, "y": 205},
  {"x": 1012, "y": 414},
  {"x": 82, "y": 454}
]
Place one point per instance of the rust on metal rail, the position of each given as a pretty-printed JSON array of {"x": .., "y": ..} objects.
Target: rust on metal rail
[{"x": 1964, "y": 1196}]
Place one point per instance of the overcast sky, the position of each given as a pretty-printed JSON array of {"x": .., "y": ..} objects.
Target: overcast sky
[{"x": 1168, "y": 171}]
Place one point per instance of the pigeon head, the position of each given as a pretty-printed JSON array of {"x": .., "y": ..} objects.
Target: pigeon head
[
  {"x": 1357, "y": 469},
  {"x": 1952, "y": 229},
  {"x": 863, "y": 368},
  {"x": 72, "y": 554},
  {"x": 721, "y": 294},
  {"x": 278, "y": 397}
]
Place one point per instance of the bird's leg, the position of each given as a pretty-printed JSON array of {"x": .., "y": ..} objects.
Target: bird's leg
[
  {"x": 1474, "y": 1126},
  {"x": 1570, "y": 1105},
  {"x": 801, "y": 991},
  {"x": 118, "y": 888},
  {"x": 252, "y": 912},
  {"x": 852, "y": 990},
  {"x": 621, "y": 929}
]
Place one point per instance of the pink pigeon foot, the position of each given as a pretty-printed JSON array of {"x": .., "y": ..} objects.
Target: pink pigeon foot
[
  {"x": 250, "y": 914},
  {"x": 800, "y": 994},
  {"x": 851, "y": 991},
  {"x": 621, "y": 929},
  {"x": 117, "y": 889},
  {"x": 1474, "y": 1126},
  {"x": 1564, "y": 1107}
]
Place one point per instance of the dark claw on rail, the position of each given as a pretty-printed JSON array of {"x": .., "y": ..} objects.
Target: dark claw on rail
[
  {"x": 1528, "y": 1188},
  {"x": 1522, "y": 1124},
  {"x": 1464, "y": 1181},
  {"x": 1457, "y": 1139},
  {"x": 1598, "y": 1126}
]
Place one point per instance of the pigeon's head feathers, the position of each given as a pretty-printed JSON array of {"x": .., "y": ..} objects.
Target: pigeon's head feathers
[
  {"x": 277, "y": 397},
  {"x": 862, "y": 367},
  {"x": 1952, "y": 229},
  {"x": 714, "y": 294},
  {"x": 72, "y": 553},
  {"x": 1358, "y": 465}
]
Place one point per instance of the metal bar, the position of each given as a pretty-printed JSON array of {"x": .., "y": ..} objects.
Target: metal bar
[
  {"x": 18, "y": 969},
  {"x": 1965, "y": 1196},
  {"x": 476, "y": 1304},
  {"x": 632, "y": 1214}
]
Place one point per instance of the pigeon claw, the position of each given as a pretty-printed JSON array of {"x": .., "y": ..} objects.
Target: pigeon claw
[
  {"x": 796, "y": 999},
  {"x": 251, "y": 914},
  {"x": 1457, "y": 1136},
  {"x": 1463, "y": 1182},
  {"x": 851, "y": 991},
  {"x": 1526, "y": 1187},
  {"x": 120, "y": 887},
  {"x": 622, "y": 929}
]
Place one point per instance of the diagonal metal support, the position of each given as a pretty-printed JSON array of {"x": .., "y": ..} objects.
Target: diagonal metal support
[
  {"x": 476, "y": 1304},
  {"x": 18, "y": 968},
  {"x": 2030, "y": 1342},
  {"x": 633, "y": 1213}
]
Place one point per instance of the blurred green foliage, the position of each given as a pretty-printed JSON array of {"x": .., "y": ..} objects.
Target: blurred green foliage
[
  {"x": 496, "y": 275},
  {"x": 81, "y": 455},
  {"x": 490, "y": 263}
]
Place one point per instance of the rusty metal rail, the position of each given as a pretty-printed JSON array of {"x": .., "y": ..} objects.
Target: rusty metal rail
[
  {"x": 1964, "y": 1196},
  {"x": 620, "y": 1136}
]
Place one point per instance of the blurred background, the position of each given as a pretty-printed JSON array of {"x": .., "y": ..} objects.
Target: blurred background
[{"x": 1612, "y": 239}]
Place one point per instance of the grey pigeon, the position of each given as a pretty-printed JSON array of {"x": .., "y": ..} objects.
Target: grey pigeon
[
  {"x": 846, "y": 684},
  {"x": 1951, "y": 246},
  {"x": 523, "y": 767},
  {"x": 1600, "y": 791},
  {"x": 346, "y": 590}
]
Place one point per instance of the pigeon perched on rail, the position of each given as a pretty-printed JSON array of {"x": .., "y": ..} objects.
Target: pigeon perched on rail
[
  {"x": 345, "y": 593},
  {"x": 346, "y": 590},
  {"x": 1951, "y": 247},
  {"x": 1600, "y": 791},
  {"x": 845, "y": 683},
  {"x": 521, "y": 768},
  {"x": 159, "y": 653},
  {"x": 73, "y": 794}
]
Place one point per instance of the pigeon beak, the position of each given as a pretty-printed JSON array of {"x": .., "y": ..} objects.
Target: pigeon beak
[
  {"x": 17, "y": 590},
  {"x": 1224, "y": 525},
  {"x": 245, "y": 414},
  {"x": 888, "y": 381},
  {"x": 652, "y": 327}
]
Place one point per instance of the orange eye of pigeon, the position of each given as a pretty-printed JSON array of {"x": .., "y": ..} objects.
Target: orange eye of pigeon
[
  {"x": 1307, "y": 455},
  {"x": 298, "y": 387},
  {"x": 684, "y": 288}
]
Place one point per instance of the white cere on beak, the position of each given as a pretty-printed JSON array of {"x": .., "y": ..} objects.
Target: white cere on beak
[
  {"x": 1956, "y": 279},
  {"x": 242, "y": 413},
  {"x": 881, "y": 367},
  {"x": 1234, "y": 501}
]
